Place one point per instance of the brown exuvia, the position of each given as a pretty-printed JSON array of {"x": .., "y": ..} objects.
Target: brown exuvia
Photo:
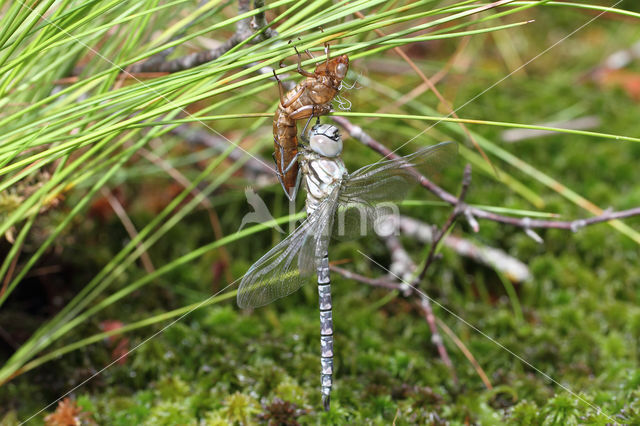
[{"x": 310, "y": 98}]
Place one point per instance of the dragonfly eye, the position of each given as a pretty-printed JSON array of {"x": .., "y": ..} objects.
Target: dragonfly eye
[
  {"x": 328, "y": 130},
  {"x": 325, "y": 140}
]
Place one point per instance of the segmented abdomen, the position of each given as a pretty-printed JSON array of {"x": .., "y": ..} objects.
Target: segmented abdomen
[
  {"x": 316, "y": 92},
  {"x": 285, "y": 143}
]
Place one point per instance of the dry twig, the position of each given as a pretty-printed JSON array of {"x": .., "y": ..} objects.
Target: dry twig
[
  {"x": 492, "y": 257},
  {"x": 457, "y": 211},
  {"x": 245, "y": 29},
  {"x": 129, "y": 227},
  {"x": 470, "y": 212}
]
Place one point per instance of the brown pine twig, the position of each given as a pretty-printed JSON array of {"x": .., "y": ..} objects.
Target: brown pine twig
[
  {"x": 245, "y": 29},
  {"x": 128, "y": 226},
  {"x": 205, "y": 203},
  {"x": 472, "y": 213},
  {"x": 467, "y": 353},
  {"x": 10, "y": 271},
  {"x": 436, "y": 338},
  {"x": 435, "y": 79},
  {"x": 457, "y": 211}
]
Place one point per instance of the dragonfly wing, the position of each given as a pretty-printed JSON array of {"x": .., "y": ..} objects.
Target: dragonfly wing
[
  {"x": 318, "y": 244},
  {"x": 387, "y": 180},
  {"x": 361, "y": 201},
  {"x": 287, "y": 266}
]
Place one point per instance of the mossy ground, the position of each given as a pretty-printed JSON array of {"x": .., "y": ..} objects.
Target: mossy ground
[{"x": 577, "y": 321}]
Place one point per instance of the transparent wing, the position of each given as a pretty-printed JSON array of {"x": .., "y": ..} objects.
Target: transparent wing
[
  {"x": 367, "y": 196},
  {"x": 287, "y": 266},
  {"x": 387, "y": 180}
]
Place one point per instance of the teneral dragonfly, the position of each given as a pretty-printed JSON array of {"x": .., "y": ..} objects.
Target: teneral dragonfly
[{"x": 331, "y": 193}]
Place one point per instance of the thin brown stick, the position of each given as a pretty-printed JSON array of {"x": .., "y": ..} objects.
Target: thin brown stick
[
  {"x": 424, "y": 87},
  {"x": 471, "y": 212},
  {"x": 467, "y": 353},
  {"x": 186, "y": 183},
  {"x": 128, "y": 226},
  {"x": 436, "y": 338},
  {"x": 464, "y": 42},
  {"x": 12, "y": 268},
  {"x": 374, "y": 282},
  {"x": 457, "y": 211}
]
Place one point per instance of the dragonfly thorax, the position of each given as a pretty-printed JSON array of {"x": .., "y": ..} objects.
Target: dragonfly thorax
[
  {"x": 325, "y": 140},
  {"x": 322, "y": 168}
]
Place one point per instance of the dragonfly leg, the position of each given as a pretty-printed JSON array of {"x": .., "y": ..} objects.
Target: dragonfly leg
[
  {"x": 283, "y": 93},
  {"x": 281, "y": 63},
  {"x": 284, "y": 102},
  {"x": 290, "y": 193},
  {"x": 327, "y": 47},
  {"x": 293, "y": 161},
  {"x": 304, "y": 136},
  {"x": 281, "y": 152},
  {"x": 308, "y": 52},
  {"x": 305, "y": 51},
  {"x": 326, "y": 330},
  {"x": 311, "y": 111},
  {"x": 300, "y": 70},
  {"x": 282, "y": 170},
  {"x": 294, "y": 191}
]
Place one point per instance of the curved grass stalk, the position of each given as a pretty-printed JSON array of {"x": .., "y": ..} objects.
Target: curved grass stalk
[
  {"x": 430, "y": 118},
  {"x": 123, "y": 330}
]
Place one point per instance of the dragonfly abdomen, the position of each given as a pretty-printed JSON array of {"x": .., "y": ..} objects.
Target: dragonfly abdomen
[{"x": 326, "y": 330}]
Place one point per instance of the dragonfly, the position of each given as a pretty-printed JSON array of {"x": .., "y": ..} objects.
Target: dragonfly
[{"x": 336, "y": 203}]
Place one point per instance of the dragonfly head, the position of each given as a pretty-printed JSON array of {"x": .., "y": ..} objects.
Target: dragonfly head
[
  {"x": 325, "y": 140},
  {"x": 336, "y": 69},
  {"x": 340, "y": 66}
]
